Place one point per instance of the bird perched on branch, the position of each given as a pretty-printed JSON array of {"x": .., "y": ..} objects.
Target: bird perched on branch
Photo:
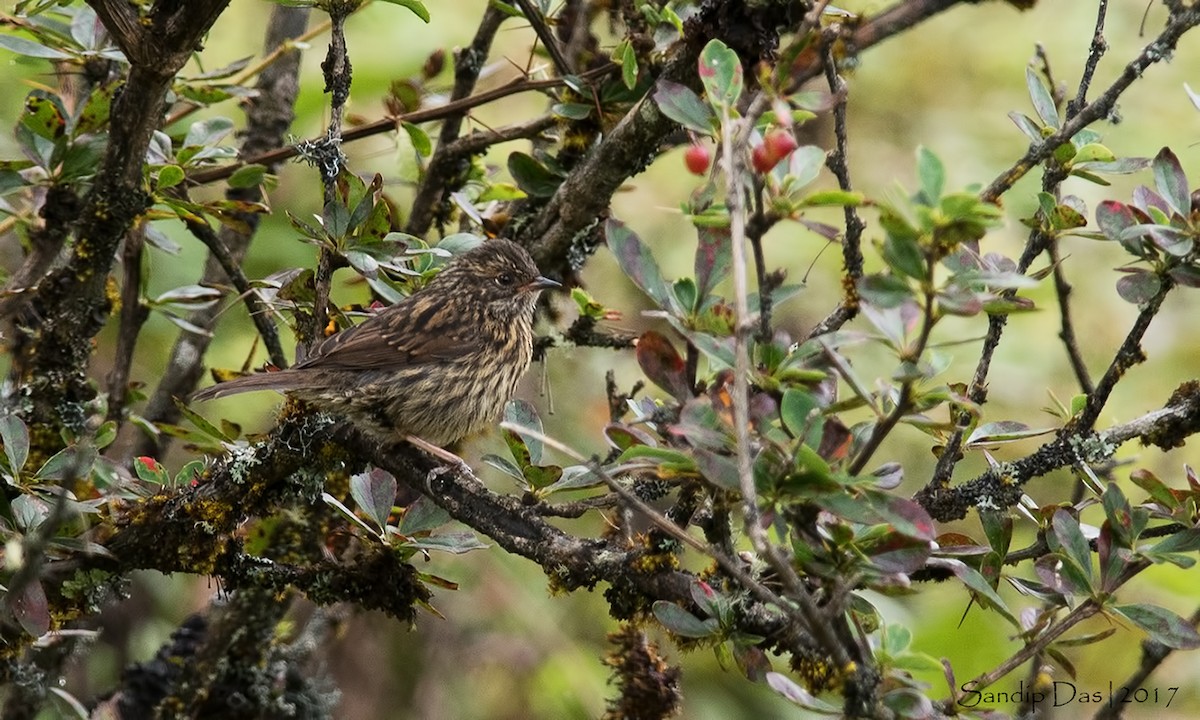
[{"x": 440, "y": 364}]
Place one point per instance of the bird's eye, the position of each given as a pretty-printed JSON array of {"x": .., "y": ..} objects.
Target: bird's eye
[{"x": 504, "y": 279}]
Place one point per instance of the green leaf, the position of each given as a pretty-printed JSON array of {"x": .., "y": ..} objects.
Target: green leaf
[
  {"x": 207, "y": 132},
  {"x": 902, "y": 253},
  {"x": 886, "y": 291},
  {"x": 189, "y": 472},
  {"x": 1026, "y": 125},
  {"x": 840, "y": 198},
  {"x": 168, "y": 177},
  {"x": 150, "y": 470},
  {"x": 248, "y": 176},
  {"x": 1163, "y": 625},
  {"x": 799, "y": 412},
  {"x": 1002, "y": 432},
  {"x": 420, "y": 139},
  {"x": 682, "y": 622},
  {"x": 684, "y": 106},
  {"x": 721, "y": 74},
  {"x": 335, "y": 218},
  {"x": 1171, "y": 182},
  {"x": 374, "y": 491},
  {"x": 571, "y": 111},
  {"x": 670, "y": 462},
  {"x": 1184, "y": 541},
  {"x": 455, "y": 543},
  {"x": 637, "y": 262},
  {"x": 191, "y": 296},
  {"x": 1043, "y": 101},
  {"x": 1072, "y": 542},
  {"x": 201, "y": 424},
  {"x": 629, "y": 64},
  {"x": 803, "y": 166},
  {"x": 346, "y": 512},
  {"x": 501, "y": 191},
  {"x": 522, "y": 413},
  {"x": 978, "y": 584},
  {"x": 1093, "y": 152},
  {"x": 574, "y": 477},
  {"x": 44, "y": 115},
  {"x": 422, "y": 516},
  {"x": 998, "y": 528},
  {"x": 105, "y": 434},
  {"x": 416, "y": 6},
  {"x": 1148, "y": 481},
  {"x": 28, "y": 48},
  {"x": 70, "y": 463},
  {"x": 95, "y": 111},
  {"x": 15, "y": 436},
  {"x": 531, "y": 176},
  {"x": 505, "y": 466},
  {"x": 931, "y": 174}
]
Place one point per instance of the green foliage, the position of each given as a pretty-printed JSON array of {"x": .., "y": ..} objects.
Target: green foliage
[{"x": 762, "y": 498}]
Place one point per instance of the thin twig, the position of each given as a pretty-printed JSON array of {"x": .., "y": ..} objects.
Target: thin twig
[
  {"x": 389, "y": 123},
  {"x": 468, "y": 63},
  {"x": 1084, "y": 611},
  {"x": 258, "y": 310},
  {"x": 133, "y": 315},
  {"x": 1129, "y": 354},
  {"x": 1095, "y": 53},
  {"x": 1002, "y": 486},
  {"x": 337, "y": 83},
  {"x": 275, "y": 54},
  {"x": 904, "y": 401},
  {"x": 734, "y": 140},
  {"x": 1153, "y": 655},
  {"x": 852, "y": 256},
  {"x": 732, "y": 567},
  {"x": 1157, "y": 51},
  {"x": 534, "y": 16}
]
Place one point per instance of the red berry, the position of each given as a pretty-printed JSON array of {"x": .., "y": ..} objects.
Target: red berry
[
  {"x": 761, "y": 159},
  {"x": 779, "y": 144},
  {"x": 697, "y": 159}
]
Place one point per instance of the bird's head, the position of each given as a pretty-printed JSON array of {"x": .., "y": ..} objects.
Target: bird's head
[{"x": 499, "y": 275}]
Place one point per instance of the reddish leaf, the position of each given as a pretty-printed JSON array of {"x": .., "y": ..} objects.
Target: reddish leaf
[
  {"x": 1172, "y": 184},
  {"x": 663, "y": 365},
  {"x": 31, "y": 609}
]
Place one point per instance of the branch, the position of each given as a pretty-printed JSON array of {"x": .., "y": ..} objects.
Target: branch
[
  {"x": 534, "y": 16},
  {"x": 269, "y": 114},
  {"x": 71, "y": 303},
  {"x": 1160, "y": 49},
  {"x": 1002, "y": 486},
  {"x": 390, "y": 122},
  {"x": 1153, "y": 655},
  {"x": 837, "y": 162}
]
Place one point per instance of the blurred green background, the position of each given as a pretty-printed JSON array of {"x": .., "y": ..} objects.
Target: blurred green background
[{"x": 506, "y": 648}]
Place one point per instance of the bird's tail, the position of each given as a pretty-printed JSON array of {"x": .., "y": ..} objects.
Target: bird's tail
[{"x": 280, "y": 381}]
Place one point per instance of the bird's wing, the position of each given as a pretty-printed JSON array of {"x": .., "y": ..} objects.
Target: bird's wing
[{"x": 411, "y": 333}]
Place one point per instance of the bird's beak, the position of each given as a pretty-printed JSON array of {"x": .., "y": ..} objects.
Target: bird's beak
[{"x": 541, "y": 282}]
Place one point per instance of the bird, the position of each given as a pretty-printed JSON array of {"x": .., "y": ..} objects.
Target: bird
[{"x": 440, "y": 364}]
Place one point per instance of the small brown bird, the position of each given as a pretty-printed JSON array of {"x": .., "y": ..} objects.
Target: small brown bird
[{"x": 440, "y": 364}]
